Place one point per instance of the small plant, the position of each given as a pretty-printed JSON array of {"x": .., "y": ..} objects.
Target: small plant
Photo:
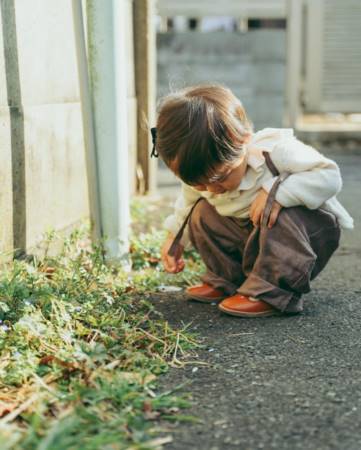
[{"x": 81, "y": 348}]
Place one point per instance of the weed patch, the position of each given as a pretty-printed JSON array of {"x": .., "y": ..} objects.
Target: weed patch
[{"x": 82, "y": 347}]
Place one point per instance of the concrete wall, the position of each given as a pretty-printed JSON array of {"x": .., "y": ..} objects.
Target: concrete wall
[
  {"x": 42, "y": 159},
  {"x": 40, "y": 122},
  {"x": 252, "y": 64}
]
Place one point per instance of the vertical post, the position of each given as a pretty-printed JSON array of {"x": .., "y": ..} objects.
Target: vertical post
[
  {"x": 314, "y": 63},
  {"x": 180, "y": 24},
  {"x": 243, "y": 24},
  {"x": 88, "y": 121},
  {"x": 17, "y": 127},
  {"x": 145, "y": 76},
  {"x": 293, "y": 61},
  {"x": 107, "y": 68}
]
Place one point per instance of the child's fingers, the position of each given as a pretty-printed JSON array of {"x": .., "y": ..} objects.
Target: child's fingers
[
  {"x": 166, "y": 266},
  {"x": 169, "y": 264},
  {"x": 273, "y": 216},
  {"x": 180, "y": 266},
  {"x": 172, "y": 265},
  {"x": 256, "y": 217},
  {"x": 251, "y": 210}
]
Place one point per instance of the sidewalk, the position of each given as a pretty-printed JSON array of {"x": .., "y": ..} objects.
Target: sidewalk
[
  {"x": 331, "y": 133},
  {"x": 280, "y": 382}
]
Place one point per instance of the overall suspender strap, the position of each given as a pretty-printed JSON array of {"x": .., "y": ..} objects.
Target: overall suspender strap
[
  {"x": 270, "y": 165},
  {"x": 272, "y": 193},
  {"x": 173, "y": 248}
]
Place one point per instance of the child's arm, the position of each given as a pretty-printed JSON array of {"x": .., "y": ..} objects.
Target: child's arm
[
  {"x": 182, "y": 207},
  {"x": 313, "y": 180},
  {"x": 258, "y": 206},
  {"x": 172, "y": 264}
]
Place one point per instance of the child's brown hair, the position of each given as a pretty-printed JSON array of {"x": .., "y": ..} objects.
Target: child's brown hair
[{"x": 199, "y": 128}]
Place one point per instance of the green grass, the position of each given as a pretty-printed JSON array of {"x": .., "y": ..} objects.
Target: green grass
[{"x": 82, "y": 347}]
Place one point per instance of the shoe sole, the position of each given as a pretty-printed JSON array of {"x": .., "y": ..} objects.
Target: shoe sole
[
  {"x": 204, "y": 299},
  {"x": 245, "y": 314}
]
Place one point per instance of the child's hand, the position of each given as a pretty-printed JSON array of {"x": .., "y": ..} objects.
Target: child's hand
[
  {"x": 172, "y": 264},
  {"x": 258, "y": 206}
]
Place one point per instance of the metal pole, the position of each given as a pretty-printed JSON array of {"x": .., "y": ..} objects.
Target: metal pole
[
  {"x": 88, "y": 122},
  {"x": 108, "y": 70}
]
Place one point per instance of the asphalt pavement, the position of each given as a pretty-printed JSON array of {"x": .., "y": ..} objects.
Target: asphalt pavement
[{"x": 285, "y": 382}]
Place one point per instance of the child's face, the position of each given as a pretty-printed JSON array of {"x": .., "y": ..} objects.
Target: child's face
[{"x": 227, "y": 178}]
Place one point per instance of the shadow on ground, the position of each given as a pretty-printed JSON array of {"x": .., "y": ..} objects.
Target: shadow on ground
[{"x": 290, "y": 382}]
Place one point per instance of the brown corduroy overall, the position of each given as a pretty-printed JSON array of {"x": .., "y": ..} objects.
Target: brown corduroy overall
[{"x": 273, "y": 264}]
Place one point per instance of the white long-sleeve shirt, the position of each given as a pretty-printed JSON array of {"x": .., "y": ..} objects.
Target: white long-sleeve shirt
[{"x": 314, "y": 181}]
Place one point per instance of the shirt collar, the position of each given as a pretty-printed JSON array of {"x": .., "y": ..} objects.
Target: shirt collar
[{"x": 263, "y": 140}]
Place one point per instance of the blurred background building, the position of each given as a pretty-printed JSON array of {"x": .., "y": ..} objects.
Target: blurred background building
[{"x": 293, "y": 63}]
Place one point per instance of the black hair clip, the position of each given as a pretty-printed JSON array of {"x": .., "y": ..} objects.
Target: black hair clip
[{"x": 154, "y": 153}]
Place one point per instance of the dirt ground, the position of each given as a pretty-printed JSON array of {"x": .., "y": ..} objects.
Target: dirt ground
[{"x": 289, "y": 382}]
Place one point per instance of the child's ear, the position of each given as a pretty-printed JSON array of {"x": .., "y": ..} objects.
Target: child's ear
[{"x": 247, "y": 137}]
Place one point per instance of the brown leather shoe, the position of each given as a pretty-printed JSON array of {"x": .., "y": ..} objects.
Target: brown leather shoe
[
  {"x": 205, "y": 293},
  {"x": 240, "y": 305}
]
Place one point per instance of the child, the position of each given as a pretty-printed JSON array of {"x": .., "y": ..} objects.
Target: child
[{"x": 260, "y": 208}]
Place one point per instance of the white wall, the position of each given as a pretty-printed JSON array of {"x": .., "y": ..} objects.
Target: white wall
[{"x": 45, "y": 141}]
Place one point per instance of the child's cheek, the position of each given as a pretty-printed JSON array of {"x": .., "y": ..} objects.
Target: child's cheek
[
  {"x": 231, "y": 184},
  {"x": 200, "y": 187},
  {"x": 235, "y": 181}
]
